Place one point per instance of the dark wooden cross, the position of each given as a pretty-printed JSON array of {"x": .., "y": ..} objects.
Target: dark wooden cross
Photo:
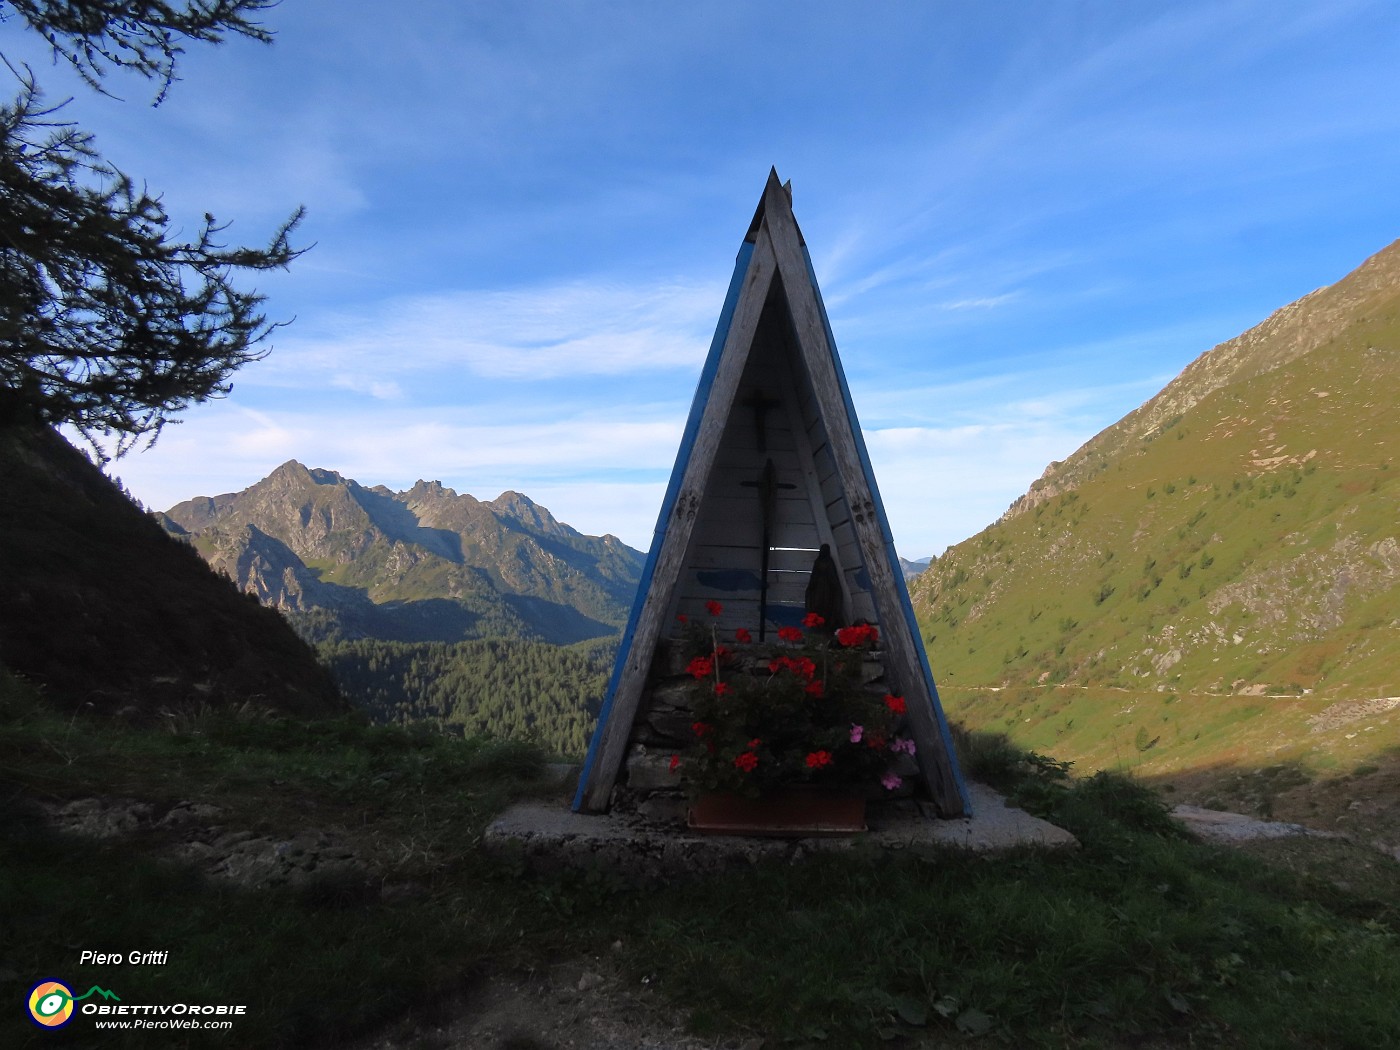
[
  {"x": 760, "y": 406},
  {"x": 768, "y": 485}
]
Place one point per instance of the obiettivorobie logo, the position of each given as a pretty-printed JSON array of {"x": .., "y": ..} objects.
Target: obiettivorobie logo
[{"x": 51, "y": 1002}]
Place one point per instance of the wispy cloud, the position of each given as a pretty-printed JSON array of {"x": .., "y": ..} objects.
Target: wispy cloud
[
  {"x": 226, "y": 447},
  {"x": 983, "y": 303},
  {"x": 941, "y": 485},
  {"x": 576, "y": 329}
]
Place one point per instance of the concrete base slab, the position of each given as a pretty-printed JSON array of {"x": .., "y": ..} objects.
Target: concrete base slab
[{"x": 550, "y": 836}]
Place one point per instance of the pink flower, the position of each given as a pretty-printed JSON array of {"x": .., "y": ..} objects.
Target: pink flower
[
  {"x": 813, "y": 620},
  {"x": 903, "y": 745},
  {"x": 790, "y": 634},
  {"x": 742, "y": 636},
  {"x": 713, "y": 607},
  {"x": 856, "y": 733},
  {"x": 891, "y": 780}
]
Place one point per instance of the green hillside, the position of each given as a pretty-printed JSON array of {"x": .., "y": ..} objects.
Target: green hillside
[
  {"x": 107, "y": 614},
  {"x": 1233, "y": 543}
]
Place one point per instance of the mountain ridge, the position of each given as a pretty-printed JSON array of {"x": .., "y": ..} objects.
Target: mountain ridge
[
  {"x": 1256, "y": 487},
  {"x": 1155, "y": 598},
  {"x": 1288, "y": 333},
  {"x": 426, "y": 564}
]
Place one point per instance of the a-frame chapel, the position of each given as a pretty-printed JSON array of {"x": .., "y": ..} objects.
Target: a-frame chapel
[{"x": 771, "y": 468}]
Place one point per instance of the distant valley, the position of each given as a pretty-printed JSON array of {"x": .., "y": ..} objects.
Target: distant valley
[{"x": 428, "y": 606}]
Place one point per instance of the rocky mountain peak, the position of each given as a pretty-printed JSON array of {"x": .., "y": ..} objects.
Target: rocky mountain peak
[
  {"x": 426, "y": 564},
  {"x": 425, "y": 490},
  {"x": 520, "y": 507}
]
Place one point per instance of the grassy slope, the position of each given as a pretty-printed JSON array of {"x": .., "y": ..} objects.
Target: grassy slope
[
  {"x": 1141, "y": 936},
  {"x": 1246, "y": 545},
  {"x": 104, "y": 609}
]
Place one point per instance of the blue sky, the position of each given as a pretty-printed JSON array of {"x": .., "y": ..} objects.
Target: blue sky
[{"x": 1025, "y": 217}]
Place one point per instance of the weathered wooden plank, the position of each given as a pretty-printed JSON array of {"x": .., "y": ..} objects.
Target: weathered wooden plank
[
  {"x": 724, "y": 556},
  {"x": 831, "y": 489},
  {"x": 862, "y": 606},
  {"x": 792, "y": 560},
  {"x": 740, "y": 609},
  {"x": 783, "y": 590},
  {"x": 738, "y": 612},
  {"x": 795, "y": 534},
  {"x": 849, "y": 556},
  {"x": 846, "y": 534}
]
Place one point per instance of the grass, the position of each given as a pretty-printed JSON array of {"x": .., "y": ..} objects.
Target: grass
[{"x": 1141, "y": 935}]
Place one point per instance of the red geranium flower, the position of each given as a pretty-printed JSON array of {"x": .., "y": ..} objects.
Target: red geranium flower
[
  {"x": 817, "y": 759},
  {"x": 814, "y": 689},
  {"x": 875, "y": 742},
  {"x": 895, "y": 703},
  {"x": 713, "y": 607},
  {"x": 813, "y": 620},
  {"x": 753, "y": 744},
  {"x": 701, "y": 728},
  {"x": 675, "y": 763},
  {"x": 790, "y": 634},
  {"x": 682, "y": 618},
  {"x": 864, "y": 634},
  {"x": 746, "y": 761},
  {"x": 700, "y": 667},
  {"x": 721, "y": 688},
  {"x": 742, "y": 635}
]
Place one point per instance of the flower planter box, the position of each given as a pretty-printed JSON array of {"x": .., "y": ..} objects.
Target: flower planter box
[{"x": 799, "y": 811}]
